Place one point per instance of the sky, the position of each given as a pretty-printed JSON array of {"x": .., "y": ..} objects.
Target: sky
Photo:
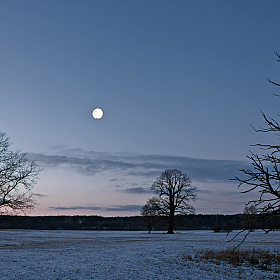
[{"x": 179, "y": 83}]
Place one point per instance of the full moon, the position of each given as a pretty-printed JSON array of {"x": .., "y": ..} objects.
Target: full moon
[{"x": 97, "y": 113}]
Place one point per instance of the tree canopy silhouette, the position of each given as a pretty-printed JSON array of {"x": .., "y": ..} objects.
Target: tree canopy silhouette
[{"x": 174, "y": 190}]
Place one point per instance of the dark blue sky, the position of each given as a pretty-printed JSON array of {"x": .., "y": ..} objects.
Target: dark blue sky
[{"x": 179, "y": 83}]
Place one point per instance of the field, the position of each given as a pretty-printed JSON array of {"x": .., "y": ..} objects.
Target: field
[{"x": 32, "y": 254}]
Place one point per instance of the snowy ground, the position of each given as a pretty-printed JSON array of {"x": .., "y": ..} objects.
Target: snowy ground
[{"x": 31, "y": 254}]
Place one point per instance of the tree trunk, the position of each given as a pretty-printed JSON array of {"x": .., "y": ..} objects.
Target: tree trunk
[{"x": 171, "y": 222}]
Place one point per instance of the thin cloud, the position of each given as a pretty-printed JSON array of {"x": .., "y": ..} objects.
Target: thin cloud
[
  {"x": 39, "y": 194},
  {"x": 122, "y": 208},
  {"x": 125, "y": 208},
  {"x": 113, "y": 180},
  {"x": 146, "y": 166},
  {"x": 61, "y": 208},
  {"x": 138, "y": 190}
]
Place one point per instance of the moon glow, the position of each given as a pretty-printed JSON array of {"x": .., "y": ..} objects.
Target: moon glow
[{"x": 97, "y": 113}]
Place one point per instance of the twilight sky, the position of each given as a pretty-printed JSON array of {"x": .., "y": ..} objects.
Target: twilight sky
[{"x": 179, "y": 83}]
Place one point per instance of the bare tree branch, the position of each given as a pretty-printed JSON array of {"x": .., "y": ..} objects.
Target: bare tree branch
[
  {"x": 264, "y": 177},
  {"x": 17, "y": 178}
]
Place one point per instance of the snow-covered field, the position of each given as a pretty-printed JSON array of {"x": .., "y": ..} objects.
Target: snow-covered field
[{"x": 32, "y": 254}]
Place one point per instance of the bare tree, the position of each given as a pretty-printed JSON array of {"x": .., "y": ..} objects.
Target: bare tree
[
  {"x": 151, "y": 211},
  {"x": 265, "y": 175},
  {"x": 175, "y": 191},
  {"x": 250, "y": 217},
  {"x": 249, "y": 210},
  {"x": 17, "y": 177}
]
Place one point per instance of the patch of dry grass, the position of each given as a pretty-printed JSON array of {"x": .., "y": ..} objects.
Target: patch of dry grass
[{"x": 261, "y": 259}]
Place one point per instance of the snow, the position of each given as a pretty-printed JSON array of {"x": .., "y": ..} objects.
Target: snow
[{"x": 33, "y": 254}]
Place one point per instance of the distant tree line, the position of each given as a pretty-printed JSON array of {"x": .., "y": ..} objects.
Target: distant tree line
[{"x": 136, "y": 223}]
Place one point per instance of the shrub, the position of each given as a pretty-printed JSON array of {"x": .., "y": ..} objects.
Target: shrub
[{"x": 260, "y": 259}]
